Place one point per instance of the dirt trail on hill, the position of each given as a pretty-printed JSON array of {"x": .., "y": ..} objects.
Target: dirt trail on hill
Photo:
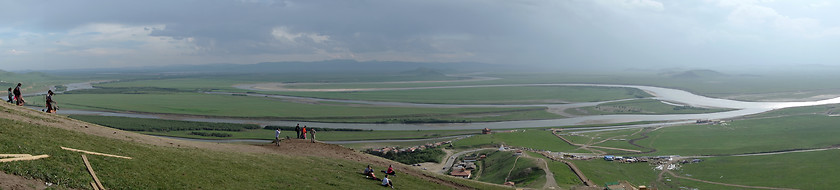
[{"x": 292, "y": 147}]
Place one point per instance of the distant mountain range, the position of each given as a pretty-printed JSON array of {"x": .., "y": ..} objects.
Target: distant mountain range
[
  {"x": 329, "y": 66},
  {"x": 696, "y": 73}
]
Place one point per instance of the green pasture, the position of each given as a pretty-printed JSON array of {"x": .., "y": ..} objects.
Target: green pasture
[
  {"x": 486, "y": 95},
  {"x": 155, "y": 167},
  {"x": 563, "y": 175},
  {"x": 32, "y": 82},
  {"x": 600, "y": 172},
  {"x": 619, "y": 139},
  {"x": 524, "y": 172},
  {"x": 259, "y": 107},
  {"x": 366, "y": 145},
  {"x": 749, "y": 88},
  {"x": 644, "y": 106},
  {"x": 746, "y": 136},
  {"x": 226, "y": 82},
  {"x": 829, "y": 109},
  {"x": 261, "y": 134},
  {"x": 803, "y": 170},
  {"x": 532, "y": 138}
]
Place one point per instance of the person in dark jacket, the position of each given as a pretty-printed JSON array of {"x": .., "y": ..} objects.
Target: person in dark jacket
[
  {"x": 297, "y": 130},
  {"x": 18, "y": 97}
]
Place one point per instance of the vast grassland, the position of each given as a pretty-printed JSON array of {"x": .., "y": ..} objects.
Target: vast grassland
[
  {"x": 747, "y": 136},
  {"x": 487, "y": 95},
  {"x": 600, "y": 172},
  {"x": 240, "y": 106},
  {"x": 803, "y": 170},
  {"x": 532, "y": 138},
  {"x": 644, "y": 106}
]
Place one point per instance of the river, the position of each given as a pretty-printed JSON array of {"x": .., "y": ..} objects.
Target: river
[{"x": 665, "y": 94}]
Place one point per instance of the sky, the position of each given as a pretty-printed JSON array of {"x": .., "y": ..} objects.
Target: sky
[{"x": 556, "y": 34}]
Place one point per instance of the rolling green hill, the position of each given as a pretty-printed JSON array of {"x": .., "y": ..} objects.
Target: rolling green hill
[{"x": 161, "y": 163}]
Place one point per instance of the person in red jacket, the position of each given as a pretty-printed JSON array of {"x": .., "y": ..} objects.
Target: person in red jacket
[
  {"x": 390, "y": 171},
  {"x": 303, "y": 132}
]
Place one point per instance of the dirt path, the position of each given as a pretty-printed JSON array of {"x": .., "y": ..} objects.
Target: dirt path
[
  {"x": 550, "y": 182},
  {"x": 511, "y": 169}
]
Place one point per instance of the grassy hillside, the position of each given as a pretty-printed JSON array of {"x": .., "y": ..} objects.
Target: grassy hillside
[
  {"x": 163, "y": 165},
  {"x": 524, "y": 171}
]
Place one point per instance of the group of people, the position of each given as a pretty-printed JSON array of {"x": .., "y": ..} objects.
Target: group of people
[
  {"x": 301, "y": 132},
  {"x": 16, "y": 97},
  {"x": 370, "y": 174}
]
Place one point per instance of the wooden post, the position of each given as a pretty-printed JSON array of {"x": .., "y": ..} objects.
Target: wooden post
[
  {"x": 23, "y": 158},
  {"x": 94, "y": 153},
  {"x": 90, "y": 169},
  {"x": 93, "y": 184}
]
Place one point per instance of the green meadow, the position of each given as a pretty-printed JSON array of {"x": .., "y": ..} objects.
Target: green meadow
[
  {"x": 746, "y": 136},
  {"x": 259, "y": 107},
  {"x": 801, "y": 170},
  {"x": 524, "y": 171},
  {"x": 643, "y": 106},
  {"x": 155, "y": 167},
  {"x": 486, "y": 95}
]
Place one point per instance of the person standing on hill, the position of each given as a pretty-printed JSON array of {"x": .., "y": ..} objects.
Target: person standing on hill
[
  {"x": 303, "y": 132},
  {"x": 11, "y": 96},
  {"x": 277, "y": 136},
  {"x": 18, "y": 98},
  {"x": 50, "y": 102},
  {"x": 312, "y": 132},
  {"x": 297, "y": 131}
]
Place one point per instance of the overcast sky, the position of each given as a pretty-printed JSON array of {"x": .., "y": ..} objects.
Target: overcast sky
[{"x": 60, "y": 34}]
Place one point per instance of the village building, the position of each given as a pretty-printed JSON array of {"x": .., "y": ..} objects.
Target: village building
[{"x": 463, "y": 173}]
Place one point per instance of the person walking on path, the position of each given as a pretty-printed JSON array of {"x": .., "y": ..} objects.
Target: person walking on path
[
  {"x": 18, "y": 98},
  {"x": 11, "y": 96},
  {"x": 50, "y": 102},
  {"x": 312, "y": 133},
  {"x": 303, "y": 132},
  {"x": 297, "y": 131},
  {"x": 277, "y": 136}
]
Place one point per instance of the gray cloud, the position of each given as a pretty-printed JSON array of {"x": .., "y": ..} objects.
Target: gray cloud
[{"x": 559, "y": 34}]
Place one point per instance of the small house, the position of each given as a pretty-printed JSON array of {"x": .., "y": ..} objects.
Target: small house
[{"x": 463, "y": 173}]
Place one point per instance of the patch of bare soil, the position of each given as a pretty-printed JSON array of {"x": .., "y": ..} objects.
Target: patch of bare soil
[{"x": 13, "y": 182}]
